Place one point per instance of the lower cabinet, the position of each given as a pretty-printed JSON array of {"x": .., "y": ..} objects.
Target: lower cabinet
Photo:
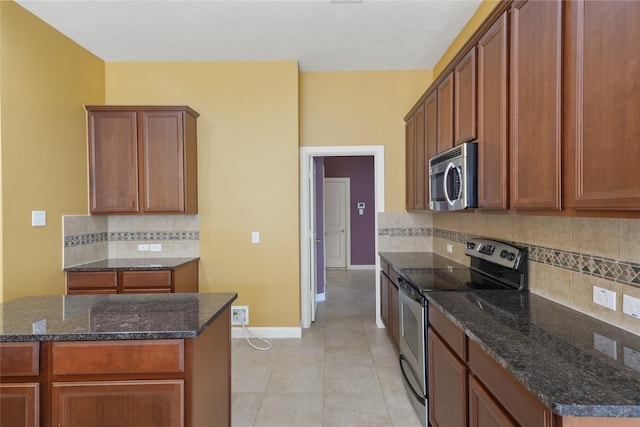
[
  {"x": 183, "y": 278},
  {"x": 20, "y": 405},
  {"x": 484, "y": 411},
  {"x": 152, "y": 403},
  {"x": 447, "y": 385},
  {"x": 389, "y": 301}
]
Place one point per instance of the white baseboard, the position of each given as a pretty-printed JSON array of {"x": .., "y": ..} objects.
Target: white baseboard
[
  {"x": 293, "y": 332},
  {"x": 320, "y": 297},
  {"x": 362, "y": 267}
]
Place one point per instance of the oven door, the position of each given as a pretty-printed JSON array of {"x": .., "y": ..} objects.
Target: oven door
[{"x": 412, "y": 347}]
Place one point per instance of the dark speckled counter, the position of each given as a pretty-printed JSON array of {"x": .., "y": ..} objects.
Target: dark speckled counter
[
  {"x": 110, "y": 317},
  {"x": 575, "y": 364},
  {"x": 111, "y": 264}
]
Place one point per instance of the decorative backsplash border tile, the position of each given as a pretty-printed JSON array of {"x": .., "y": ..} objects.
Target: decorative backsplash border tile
[
  {"x": 85, "y": 239},
  {"x": 606, "y": 268},
  {"x": 397, "y": 231},
  {"x": 88, "y": 239}
]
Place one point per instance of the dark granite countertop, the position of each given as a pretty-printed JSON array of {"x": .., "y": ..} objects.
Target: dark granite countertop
[
  {"x": 575, "y": 364},
  {"x": 110, "y": 317},
  {"x": 111, "y": 264},
  {"x": 417, "y": 260}
]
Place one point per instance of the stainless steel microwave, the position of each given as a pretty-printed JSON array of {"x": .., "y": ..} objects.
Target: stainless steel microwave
[{"x": 453, "y": 178}]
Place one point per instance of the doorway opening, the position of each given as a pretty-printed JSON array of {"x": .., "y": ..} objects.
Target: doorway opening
[{"x": 308, "y": 231}]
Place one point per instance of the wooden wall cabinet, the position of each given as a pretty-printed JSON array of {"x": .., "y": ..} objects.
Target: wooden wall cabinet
[
  {"x": 142, "y": 160},
  {"x": 493, "y": 142},
  {"x": 416, "y": 161},
  {"x": 465, "y": 96},
  {"x": 445, "y": 114},
  {"x": 536, "y": 88},
  {"x": 602, "y": 88},
  {"x": 181, "y": 279}
]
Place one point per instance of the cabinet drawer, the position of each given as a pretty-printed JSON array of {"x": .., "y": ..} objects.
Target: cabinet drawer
[
  {"x": 92, "y": 280},
  {"x": 449, "y": 332},
  {"x": 523, "y": 406},
  {"x": 19, "y": 359},
  {"x": 146, "y": 279},
  {"x": 384, "y": 266},
  {"x": 118, "y": 357}
]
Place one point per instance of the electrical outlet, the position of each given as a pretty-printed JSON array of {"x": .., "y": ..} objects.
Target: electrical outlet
[
  {"x": 449, "y": 248},
  {"x": 604, "y": 297},
  {"x": 155, "y": 247},
  {"x": 605, "y": 345},
  {"x": 631, "y": 358},
  {"x": 631, "y": 306},
  {"x": 240, "y": 315},
  {"x": 143, "y": 247}
]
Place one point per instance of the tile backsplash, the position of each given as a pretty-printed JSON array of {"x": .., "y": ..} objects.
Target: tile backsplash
[
  {"x": 92, "y": 238},
  {"x": 567, "y": 256}
]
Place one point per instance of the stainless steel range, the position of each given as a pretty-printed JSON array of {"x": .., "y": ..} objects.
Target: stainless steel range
[{"x": 495, "y": 265}]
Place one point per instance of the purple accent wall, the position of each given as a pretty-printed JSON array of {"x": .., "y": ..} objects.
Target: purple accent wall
[
  {"x": 319, "y": 184},
  {"x": 361, "y": 171}
]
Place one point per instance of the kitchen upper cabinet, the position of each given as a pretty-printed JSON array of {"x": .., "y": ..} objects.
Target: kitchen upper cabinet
[
  {"x": 536, "y": 63},
  {"x": 410, "y": 161},
  {"x": 416, "y": 161},
  {"x": 142, "y": 160},
  {"x": 445, "y": 114},
  {"x": 602, "y": 89},
  {"x": 465, "y": 123},
  {"x": 493, "y": 142}
]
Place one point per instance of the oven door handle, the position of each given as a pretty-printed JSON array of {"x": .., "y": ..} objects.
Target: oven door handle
[{"x": 418, "y": 396}]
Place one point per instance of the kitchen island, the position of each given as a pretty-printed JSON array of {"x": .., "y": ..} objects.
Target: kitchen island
[{"x": 144, "y": 360}]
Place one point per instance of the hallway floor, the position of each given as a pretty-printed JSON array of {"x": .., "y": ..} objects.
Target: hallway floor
[{"x": 342, "y": 372}]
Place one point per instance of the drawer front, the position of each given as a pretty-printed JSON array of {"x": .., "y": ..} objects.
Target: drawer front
[
  {"x": 146, "y": 279},
  {"x": 91, "y": 280},
  {"x": 523, "y": 406},
  {"x": 118, "y": 357},
  {"x": 449, "y": 332},
  {"x": 19, "y": 359}
]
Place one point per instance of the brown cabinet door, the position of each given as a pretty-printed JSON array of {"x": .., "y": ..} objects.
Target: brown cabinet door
[
  {"x": 484, "y": 411},
  {"x": 602, "y": 88},
  {"x": 394, "y": 313},
  {"x": 492, "y": 117},
  {"x": 410, "y": 134},
  {"x": 20, "y": 405},
  {"x": 139, "y": 403},
  {"x": 419, "y": 160},
  {"x": 430, "y": 137},
  {"x": 162, "y": 143},
  {"x": 113, "y": 161},
  {"x": 445, "y": 114},
  {"x": 384, "y": 301},
  {"x": 447, "y": 385},
  {"x": 465, "y": 98},
  {"x": 536, "y": 60}
]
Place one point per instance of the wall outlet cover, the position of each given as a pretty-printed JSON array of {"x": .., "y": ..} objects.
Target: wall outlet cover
[
  {"x": 631, "y": 306},
  {"x": 604, "y": 297}
]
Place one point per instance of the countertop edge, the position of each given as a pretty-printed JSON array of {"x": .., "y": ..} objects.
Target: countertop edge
[{"x": 87, "y": 267}]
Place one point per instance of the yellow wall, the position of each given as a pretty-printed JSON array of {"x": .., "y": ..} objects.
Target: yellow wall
[
  {"x": 45, "y": 79},
  {"x": 362, "y": 108},
  {"x": 247, "y": 172},
  {"x": 483, "y": 11}
]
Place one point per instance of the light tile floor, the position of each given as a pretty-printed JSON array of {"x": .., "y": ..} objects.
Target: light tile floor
[{"x": 342, "y": 372}]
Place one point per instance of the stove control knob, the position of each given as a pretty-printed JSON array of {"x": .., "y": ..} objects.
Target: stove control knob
[
  {"x": 503, "y": 254},
  {"x": 511, "y": 256},
  {"x": 471, "y": 245}
]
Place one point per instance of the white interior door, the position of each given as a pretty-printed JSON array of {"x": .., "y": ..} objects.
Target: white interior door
[{"x": 336, "y": 221}]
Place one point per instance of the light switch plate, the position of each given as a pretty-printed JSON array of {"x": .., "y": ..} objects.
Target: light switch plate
[
  {"x": 38, "y": 218},
  {"x": 255, "y": 237}
]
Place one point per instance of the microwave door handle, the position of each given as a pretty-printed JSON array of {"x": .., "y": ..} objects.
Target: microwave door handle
[{"x": 446, "y": 176}]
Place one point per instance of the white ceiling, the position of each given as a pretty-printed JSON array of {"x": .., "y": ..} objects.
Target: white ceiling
[{"x": 322, "y": 35}]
